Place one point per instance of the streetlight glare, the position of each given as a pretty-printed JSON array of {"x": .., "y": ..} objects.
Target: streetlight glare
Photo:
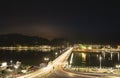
[
  {"x": 100, "y": 59},
  {"x": 83, "y": 57},
  {"x": 46, "y": 59},
  {"x": 4, "y": 64},
  {"x": 56, "y": 53}
]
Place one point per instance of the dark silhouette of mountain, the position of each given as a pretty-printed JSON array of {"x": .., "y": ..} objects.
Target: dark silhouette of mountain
[{"x": 19, "y": 39}]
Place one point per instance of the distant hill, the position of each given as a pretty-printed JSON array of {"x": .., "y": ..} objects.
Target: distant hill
[{"x": 18, "y": 39}]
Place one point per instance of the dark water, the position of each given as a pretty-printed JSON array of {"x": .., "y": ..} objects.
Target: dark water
[
  {"x": 26, "y": 57},
  {"x": 106, "y": 59}
]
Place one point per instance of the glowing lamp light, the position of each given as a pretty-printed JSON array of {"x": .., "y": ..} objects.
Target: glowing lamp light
[
  {"x": 89, "y": 48},
  {"x": 4, "y": 64},
  {"x": 56, "y": 53},
  {"x": 16, "y": 66},
  {"x": 117, "y": 66}
]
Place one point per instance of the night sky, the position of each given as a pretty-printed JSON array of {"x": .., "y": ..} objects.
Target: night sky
[{"x": 67, "y": 19}]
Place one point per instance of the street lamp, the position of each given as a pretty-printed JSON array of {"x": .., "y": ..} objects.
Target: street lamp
[
  {"x": 4, "y": 65},
  {"x": 56, "y": 54},
  {"x": 100, "y": 59},
  {"x": 46, "y": 59},
  {"x": 11, "y": 62},
  {"x": 15, "y": 70},
  {"x": 16, "y": 66}
]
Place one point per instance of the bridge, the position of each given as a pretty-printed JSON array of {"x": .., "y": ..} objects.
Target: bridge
[{"x": 58, "y": 61}]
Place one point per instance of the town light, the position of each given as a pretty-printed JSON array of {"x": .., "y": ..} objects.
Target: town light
[
  {"x": 56, "y": 53},
  {"x": 4, "y": 64}
]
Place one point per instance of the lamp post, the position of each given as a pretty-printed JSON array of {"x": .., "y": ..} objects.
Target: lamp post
[
  {"x": 15, "y": 70},
  {"x": 16, "y": 67},
  {"x": 56, "y": 54},
  {"x": 46, "y": 59},
  {"x": 100, "y": 59},
  {"x": 11, "y": 62}
]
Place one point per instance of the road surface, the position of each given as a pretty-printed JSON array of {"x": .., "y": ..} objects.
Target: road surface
[{"x": 59, "y": 72}]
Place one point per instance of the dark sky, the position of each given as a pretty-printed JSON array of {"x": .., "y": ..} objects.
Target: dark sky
[{"x": 56, "y": 18}]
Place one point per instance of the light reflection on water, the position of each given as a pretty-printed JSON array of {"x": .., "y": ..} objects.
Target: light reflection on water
[
  {"x": 93, "y": 59},
  {"x": 28, "y": 57}
]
